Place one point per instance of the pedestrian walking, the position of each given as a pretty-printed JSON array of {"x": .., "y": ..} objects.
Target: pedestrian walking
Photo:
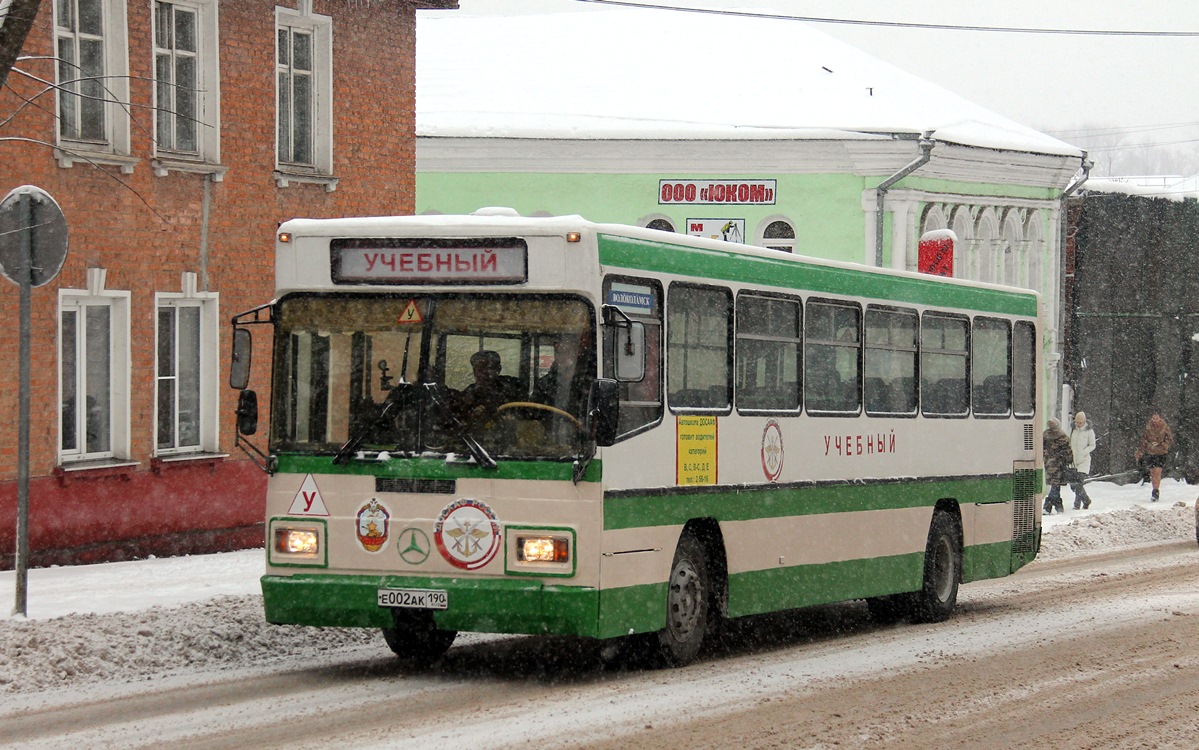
[
  {"x": 1058, "y": 458},
  {"x": 1082, "y": 445},
  {"x": 1156, "y": 441}
]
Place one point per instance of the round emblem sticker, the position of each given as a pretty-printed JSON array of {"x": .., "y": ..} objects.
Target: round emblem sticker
[
  {"x": 413, "y": 545},
  {"x": 772, "y": 450},
  {"x": 467, "y": 534},
  {"x": 373, "y": 530}
]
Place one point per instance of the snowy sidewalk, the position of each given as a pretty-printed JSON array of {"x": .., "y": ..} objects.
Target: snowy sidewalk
[{"x": 134, "y": 585}]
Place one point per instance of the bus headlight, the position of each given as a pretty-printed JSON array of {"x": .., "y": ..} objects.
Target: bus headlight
[
  {"x": 540, "y": 551},
  {"x": 295, "y": 542},
  {"x": 543, "y": 549}
]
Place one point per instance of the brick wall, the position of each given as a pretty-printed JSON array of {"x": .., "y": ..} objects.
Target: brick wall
[{"x": 146, "y": 230}]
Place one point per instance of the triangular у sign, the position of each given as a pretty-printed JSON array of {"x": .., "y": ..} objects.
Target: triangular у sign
[{"x": 308, "y": 500}]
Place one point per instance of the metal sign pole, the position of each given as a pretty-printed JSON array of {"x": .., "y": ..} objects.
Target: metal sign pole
[
  {"x": 25, "y": 276},
  {"x": 33, "y": 247}
]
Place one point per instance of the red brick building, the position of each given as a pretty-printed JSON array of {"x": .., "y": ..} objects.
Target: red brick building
[{"x": 176, "y": 135}]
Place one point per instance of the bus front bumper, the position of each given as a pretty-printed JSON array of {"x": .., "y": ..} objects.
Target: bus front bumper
[{"x": 487, "y": 605}]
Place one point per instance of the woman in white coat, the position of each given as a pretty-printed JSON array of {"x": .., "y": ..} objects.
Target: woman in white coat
[{"x": 1082, "y": 444}]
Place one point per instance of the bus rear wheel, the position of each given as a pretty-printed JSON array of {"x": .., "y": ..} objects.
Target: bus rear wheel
[
  {"x": 415, "y": 637},
  {"x": 938, "y": 595},
  {"x": 689, "y": 595}
]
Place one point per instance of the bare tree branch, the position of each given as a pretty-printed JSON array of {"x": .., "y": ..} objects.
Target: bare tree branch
[
  {"x": 16, "y": 20},
  {"x": 83, "y": 156},
  {"x": 13, "y": 31}
]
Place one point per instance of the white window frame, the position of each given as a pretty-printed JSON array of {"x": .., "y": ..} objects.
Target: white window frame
[
  {"x": 114, "y": 146},
  {"x": 777, "y": 243},
  {"x": 117, "y": 302},
  {"x": 321, "y": 29},
  {"x": 209, "y": 416},
  {"x": 207, "y": 156},
  {"x": 648, "y": 219}
]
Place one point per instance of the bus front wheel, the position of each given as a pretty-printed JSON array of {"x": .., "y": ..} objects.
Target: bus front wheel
[
  {"x": 688, "y": 603},
  {"x": 415, "y": 638},
  {"x": 935, "y": 600}
]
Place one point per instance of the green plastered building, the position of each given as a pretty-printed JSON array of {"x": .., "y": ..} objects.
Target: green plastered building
[{"x": 749, "y": 128}]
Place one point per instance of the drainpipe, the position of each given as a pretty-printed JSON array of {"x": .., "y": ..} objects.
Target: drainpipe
[
  {"x": 926, "y": 148},
  {"x": 1086, "y": 172},
  {"x": 1066, "y": 403},
  {"x": 205, "y": 206}
]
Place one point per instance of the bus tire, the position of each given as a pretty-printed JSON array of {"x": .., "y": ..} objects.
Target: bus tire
[
  {"x": 688, "y": 604},
  {"x": 938, "y": 595},
  {"x": 415, "y": 637}
]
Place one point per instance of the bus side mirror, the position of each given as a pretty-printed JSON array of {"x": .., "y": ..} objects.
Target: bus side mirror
[
  {"x": 603, "y": 410},
  {"x": 239, "y": 368},
  {"x": 247, "y": 412},
  {"x": 629, "y": 343}
]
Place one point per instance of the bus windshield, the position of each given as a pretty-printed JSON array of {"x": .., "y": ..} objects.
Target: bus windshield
[{"x": 432, "y": 374}]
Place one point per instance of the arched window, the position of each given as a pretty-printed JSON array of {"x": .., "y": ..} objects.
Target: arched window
[
  {"x": 1036, "y": 250},
  {"x": 965, "y": 254},
  {"x": 987, "y": 240},
  {"x": 660, "y": 224},
  {"x": 1011, "y": 245},
  {"x": 779, "y": 235},
  {"x": 934, "y": 219}
]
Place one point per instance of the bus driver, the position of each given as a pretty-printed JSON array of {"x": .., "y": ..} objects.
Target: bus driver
[{"x": 480, "y": 399}]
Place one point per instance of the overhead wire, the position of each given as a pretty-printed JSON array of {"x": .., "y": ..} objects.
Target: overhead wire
[
  {"x": 1120, "y": 130},
  {"x": 900, "y": 24}
]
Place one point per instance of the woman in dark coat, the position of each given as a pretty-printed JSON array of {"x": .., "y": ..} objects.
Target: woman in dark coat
[{"x": 1059, "y": 460}]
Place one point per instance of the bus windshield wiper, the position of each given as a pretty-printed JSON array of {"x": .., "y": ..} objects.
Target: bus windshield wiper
[
  {"x": 401, "y": 396},
  {"x": 460, "y": 430},
  {"x": 350, "y": 446}
]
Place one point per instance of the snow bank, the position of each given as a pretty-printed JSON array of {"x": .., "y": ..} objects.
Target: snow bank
[
  {"x": 224, "y": 632},
  {"x": 1105, "y": 531}
]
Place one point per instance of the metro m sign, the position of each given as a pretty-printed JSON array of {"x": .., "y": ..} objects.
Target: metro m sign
[{"x": 936, "y": 252}]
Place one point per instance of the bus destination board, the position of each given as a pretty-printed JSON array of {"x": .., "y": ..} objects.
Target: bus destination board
[{"x": 405, "y": 262}]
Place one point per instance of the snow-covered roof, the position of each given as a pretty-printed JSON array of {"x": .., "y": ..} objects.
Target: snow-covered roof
[
  {"x": 1169, "y": 187},
  {"x": 613, "y": 72}
]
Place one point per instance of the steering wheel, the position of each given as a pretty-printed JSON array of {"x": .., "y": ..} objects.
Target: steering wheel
[{"x": 542, "y": 407}]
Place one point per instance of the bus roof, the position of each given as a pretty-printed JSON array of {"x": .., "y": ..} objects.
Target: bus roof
[{"x": 507, "y": 222}]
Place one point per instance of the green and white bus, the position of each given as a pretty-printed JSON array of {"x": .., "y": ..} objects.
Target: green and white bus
[{"x": 504, "y": 424}]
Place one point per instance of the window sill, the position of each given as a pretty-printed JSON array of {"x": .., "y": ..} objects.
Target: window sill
[
  {"x": 284, "y": 179},
  {"x": 159, "y": 464},
  {"x": 103, "y": 468},
  {"x": 68, "y": 156},
  {"x": 163, "y": 166}
]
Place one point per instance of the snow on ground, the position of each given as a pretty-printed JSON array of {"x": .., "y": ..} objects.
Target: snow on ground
[
  {"x": 1120, "y": 515},
  {"x": 128, "y": 620},
  {"x": 131, "y": 586}
]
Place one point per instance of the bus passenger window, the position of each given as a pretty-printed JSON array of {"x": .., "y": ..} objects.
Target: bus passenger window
[
  {"x": 943, "y": 365},
  {"x": 1024, "y": 368},
  {"x": 890, "y": 384},
  {"x": 640, "y": 401},
  {"x": 768, "y": 343},
  {"x": 989, "y": 367},
  {"x": 832, "y": 358},
  {"x": 697, "y": 359}
]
